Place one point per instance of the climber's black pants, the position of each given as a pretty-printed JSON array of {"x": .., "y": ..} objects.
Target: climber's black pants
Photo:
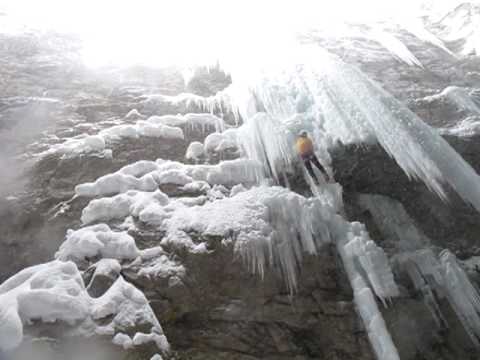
[{"x": 308, "y": 160}]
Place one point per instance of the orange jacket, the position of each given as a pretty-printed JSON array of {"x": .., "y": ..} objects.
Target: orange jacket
[{"x": 304, "y": 146}]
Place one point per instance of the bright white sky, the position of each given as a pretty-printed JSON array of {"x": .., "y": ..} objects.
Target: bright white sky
[{"x": 186, "y": 32}]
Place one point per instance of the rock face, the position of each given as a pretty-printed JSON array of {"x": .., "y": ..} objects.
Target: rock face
[
  {"x": 215, "y": 308},
  {"x": 370, "y": 170},
  {"x": 403, "y": 215},
  {"x": 220, "y": 311}
]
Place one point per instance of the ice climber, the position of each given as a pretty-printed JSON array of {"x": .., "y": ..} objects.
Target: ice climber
[{"x": 306, "y": 152}]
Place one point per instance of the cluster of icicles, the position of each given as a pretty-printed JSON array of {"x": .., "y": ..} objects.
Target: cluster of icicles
[{"x": 338, "y": 103}]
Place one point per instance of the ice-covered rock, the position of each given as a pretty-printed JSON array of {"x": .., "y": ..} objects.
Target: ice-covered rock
[
  {"x": 462, "y": 294},
  {"x": 202, "y": 122},
  {"x": 55, "y": 292},
  {"x": 212, "y": 141},
  {"x": 465, "y": 128},
  {"x": 174, "y": 176},
  {"x": 163, "y": 172},
  {"x": 116, "y": 183},
  {"x": 122, "y": 205},
  {"x": 78, "y": 145},
  {"x": 97, "y": 240},
  {"x": 97, "y": 143},
  {"x": 105, "y": 273},
  {"x": 134, "y": 114},
  {"x": 139, "y": 168},
  {"x": 157, "y": 264},
  {"x": 123, "y": 340},
  {"x": 195, "y": 151}
]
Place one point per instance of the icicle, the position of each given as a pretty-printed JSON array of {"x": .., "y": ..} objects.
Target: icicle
[
  {"x": 298, "y": 226},
  {"x": 265, "y": 140},
  {"x": 378, "y": 334},
  {"x": 396, "y": 47},
  {"x": 424, "y": 270},
  {"x": 443, "y": 277},
  {"x": 352, "y": 108},
  {"x": 462, "y": 294}
]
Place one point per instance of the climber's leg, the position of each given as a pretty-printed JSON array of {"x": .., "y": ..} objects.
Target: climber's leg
[{"x": 308, "y": 166}]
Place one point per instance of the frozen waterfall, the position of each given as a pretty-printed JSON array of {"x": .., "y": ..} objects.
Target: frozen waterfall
[{"x": 315, "y": 90}]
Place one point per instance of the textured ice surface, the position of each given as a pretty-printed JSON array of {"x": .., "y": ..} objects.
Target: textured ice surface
[
  {"x": 272, "y": 226},
  {"x": 365, "y": 262},
  {"x": 396, "y": 47}
]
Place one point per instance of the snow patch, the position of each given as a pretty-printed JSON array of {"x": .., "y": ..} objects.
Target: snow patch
[
  {"x": 55, "y": 292},
  {"x": 116, "y": 183},
  {"x": 123, "y": 205},
  {"x": 195, "y": 151},
  {"x": 97, "y": 240},
  {"x": 192, "y": 121}
]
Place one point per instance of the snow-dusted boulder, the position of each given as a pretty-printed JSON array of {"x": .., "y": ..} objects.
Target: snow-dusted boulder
[
  {"x": 97, "y": 240},
  {"x": 195, "y": 151}
]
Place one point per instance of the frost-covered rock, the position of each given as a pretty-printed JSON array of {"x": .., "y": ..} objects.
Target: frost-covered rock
[
  {"x": 55, "y": 292},
  {"x": 139, "y": 168},
  {"x": 234, "y": 172},
  {"x": 97, "y": 240},
  {"x": 127, "y": 306},
  {"x": 237, "y": 189},
  {"x": 98, "y": 143},
  {"x": 195, "y": 151},
  {"x": 202, "y": 122},
  {"x": 142, "y": 128},
  {"x": 158, "y": 173},
  {"x": 123, "y": 340},
  {"x": 105, "y": 273},
  {"x": 116, "y": 183},
  {"x": 134, "y": 114},
  {"x": 174, "y": 176},
  {"x": 51, "y": 292},
  {"x": 212, "y": 141},
  {"x": 122, "y": 205},
  {"x": 78, "y": 145},
  {"x": 464, "y": 128},
  {"x": 197, "y": 186},
  {"x": 159, "y": 340},
  {"x": 157, "y": 264}
]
